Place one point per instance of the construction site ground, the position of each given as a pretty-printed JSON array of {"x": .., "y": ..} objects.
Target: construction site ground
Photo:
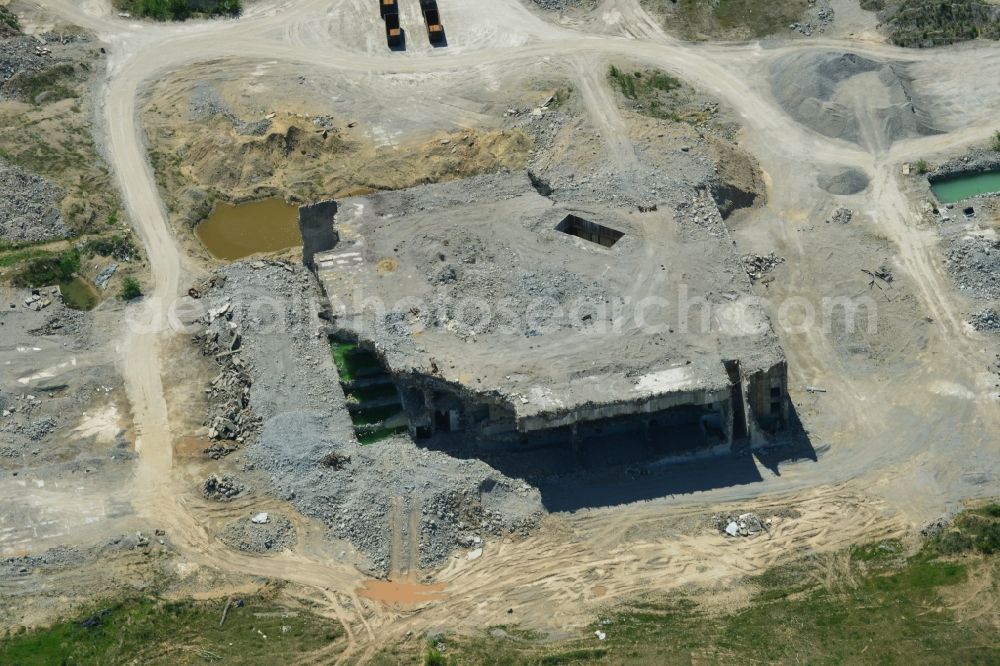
[{"x": 103, "y": 467}]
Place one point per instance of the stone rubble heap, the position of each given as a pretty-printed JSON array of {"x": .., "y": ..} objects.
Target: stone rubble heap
[
  {"x": 758, "y": 266},
  {"x": 741, "y": 525},
  {"x": 985, "y": 320},
  {"x": 221, "y": 488}
]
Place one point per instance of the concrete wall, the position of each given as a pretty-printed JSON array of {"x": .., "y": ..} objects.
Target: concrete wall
[
  {"x": 318, "y": 232},
  {"x": 767, "y": 395}
]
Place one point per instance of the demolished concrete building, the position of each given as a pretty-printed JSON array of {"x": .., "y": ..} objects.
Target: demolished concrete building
[{"x": 508, "y": 318}]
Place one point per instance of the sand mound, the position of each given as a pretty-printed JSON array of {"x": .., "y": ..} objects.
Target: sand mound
[
  {"x": 849, "y": 97},
  {"x": 843, "y": 181}
]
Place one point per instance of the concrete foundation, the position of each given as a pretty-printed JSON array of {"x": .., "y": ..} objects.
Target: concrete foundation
[{"x": 407, "y": 268}]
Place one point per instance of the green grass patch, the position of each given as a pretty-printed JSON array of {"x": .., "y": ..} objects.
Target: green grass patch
[
  {"x": 14, "y": 257},
  {"x": 48, "y": 270},
  {"x": 153, "y": 631},
  {"x": 976, "y": 530},
  {"x": 8, "y": 21},
  {"x": 883, "y": 608},
  {"x": 888, "y": 549},
  {"x": 179, "y": 10},
  {"x": 56, "y": 81},
  {"x": 649, "y": 92}
]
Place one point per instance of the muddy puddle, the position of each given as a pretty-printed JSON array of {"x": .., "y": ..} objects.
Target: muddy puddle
[
  {"x": 234, "y": 232},
  {"x": 953, "y": 190},
  {"x": 402, "y": 593},
  {"x": 78, "y": 294}
]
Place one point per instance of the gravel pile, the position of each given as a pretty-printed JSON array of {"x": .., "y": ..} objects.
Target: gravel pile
[
  {"x": 206, "y": 104},
  {"x": 822, "y": 16},
  {"x": 29, "y": 209},
  {"x": 842, "y": 216},
  {"x": 974, "y": 264},
  {"x": 230, "y": 417},
  {"x": 221, "y": 488},
  {"x": 18, "y": 55},
  {"x": 757, "y": 266},
  {"x": 844, "y": 182},
  {"x": 307, "y": 446},
  {"x": 985, "y": 320},
  {"x": 62, "y": 557},
  {"x": 273, "y": 535},
  {"x": 976, "y": 161},
  {"x": 562, "y": 5},
  {"x": 810, "y": 84}
]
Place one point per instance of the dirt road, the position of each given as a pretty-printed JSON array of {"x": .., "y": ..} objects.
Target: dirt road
[{"x": 880, "y": 437}]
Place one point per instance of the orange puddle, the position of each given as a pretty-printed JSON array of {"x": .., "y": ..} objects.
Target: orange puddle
[
  {"x": 396, "y": 593},
  {"x": 600, "y": 591}
]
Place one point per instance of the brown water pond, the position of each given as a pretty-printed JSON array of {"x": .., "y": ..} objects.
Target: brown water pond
[{"x": 234, "y": 232}]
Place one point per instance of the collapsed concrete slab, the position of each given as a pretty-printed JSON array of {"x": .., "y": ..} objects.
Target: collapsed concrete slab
[{"x": 511, "y": 319}]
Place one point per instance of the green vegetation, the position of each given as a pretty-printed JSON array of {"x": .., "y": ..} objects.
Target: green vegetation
[
  {"x": 48, "y": 270},
  {"x": 131, "y": 289},
  {"x": 178, "y": 10},
  {"x": 996, "y": 141},
  {"x": 636, "y": 85},
  {"x": 154, "y": 631},
  {"x": 977, "y": 530},
  {"x": 650, "y": 91},
  {"x": 882, "y": 606},
  {"x": 730, "y": 19},
  {"x": 354, "y": 363},
  {"x": 926, "y": 23},
  {"x": 56, "y": 82},
  {"x": 922, "y": 167},
  {"x": 14, "y": 256},
  {"x": 116, "y": 246},
  {"x": 8, "y": 21}
]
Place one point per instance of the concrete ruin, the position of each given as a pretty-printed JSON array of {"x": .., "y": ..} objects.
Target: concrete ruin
[{"x": 518, "y": 320}]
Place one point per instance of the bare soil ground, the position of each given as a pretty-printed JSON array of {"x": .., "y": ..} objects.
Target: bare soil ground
[{"x": 901, "y": 418}]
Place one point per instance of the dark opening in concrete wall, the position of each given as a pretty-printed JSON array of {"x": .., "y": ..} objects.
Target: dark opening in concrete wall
[
  {"x": 589, "y": 231},
  {"x": 318, "y": 233}
]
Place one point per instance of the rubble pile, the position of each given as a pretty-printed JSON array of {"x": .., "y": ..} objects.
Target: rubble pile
[
  {"x": 29, "y": 209},
  {"x": 261, "y": 533},
  {"x": 974, "y": 264},
  {"x": 823, "y": 16},
  {"x": 985, "y": 320},
  {"x": 464, "y": 518},
  {"x": 206, "y": 103},
  {"x": 221, "y": 488},
  {"x": 757, "y": 266},
  {"x": 841, "y": 216},
  {"x": 230, "y": 416},
  {"x": 741, "y": 525},
  {"x": 562, "y": 5},
  {"x": 36, "y": 301}
]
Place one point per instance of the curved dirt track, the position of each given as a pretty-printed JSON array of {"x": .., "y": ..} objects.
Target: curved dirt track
[{"x": 561, "y": 566}]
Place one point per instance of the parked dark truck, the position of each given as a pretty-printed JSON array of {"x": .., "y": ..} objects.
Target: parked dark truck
[
  {"x": 387, "y": 7},
  {"x": 393, "y": 33},
  {"x": 432, "y": 17}
]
